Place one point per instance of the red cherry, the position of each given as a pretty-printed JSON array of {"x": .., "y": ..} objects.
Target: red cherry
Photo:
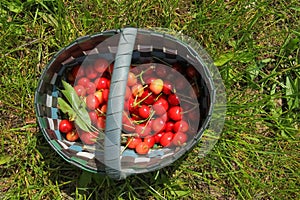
[
  {"x": 90, "y": 88},
  {"x": 142, "y": 130},
  {"x": 142, "y": 148},
  {"x": 149, "y": 140},
  {"x": 102, "y": 83},
  {"x": 83, "y": 81},
  {"x": 144, "y": 111},
  {"x": 166, "y": 139},
  {"x": 147, "y": 97},
  {"x": 173, "y": 99},
  {"x": 157, "y": 136},
  {"x": 132, "y": 142},
  {"x": 175, "y": 113},
  {"x": 169, "y": 126},
  {"x": 167, "y": 87},
  {"x": 101, "y": 122},
  {"x": 80, "y": 90},
  {"x": 90, "y": 72},
  {"x": 149, "y": 79},
  {"x": 161, "y": 106},
  {"x": 65, "y": 126},
  {"x": 181, "y": 126},
  {"x": 88, "y": 138},
  {"x": 158, "y": 125},
  {"x": 103, "y": 109},
  {"x": 93, "y": 116},
  {"x": 128, "y": 126},
  {"x": 101, "y": 65},
  {"x": 92, "y": 102},
  {"x": 105, "y": 94},
  {"x": 179, "y": 139}
]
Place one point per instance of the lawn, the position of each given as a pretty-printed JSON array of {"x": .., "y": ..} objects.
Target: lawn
[{"x": 255, "y": 45}]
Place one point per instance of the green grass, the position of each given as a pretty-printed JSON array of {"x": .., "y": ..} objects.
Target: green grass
[{"x": 255, "y": 45}]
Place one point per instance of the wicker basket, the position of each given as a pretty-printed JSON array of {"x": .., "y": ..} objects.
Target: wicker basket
[{"x": 123, "y": 47}]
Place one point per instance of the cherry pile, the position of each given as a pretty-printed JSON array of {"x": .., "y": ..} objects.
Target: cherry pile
[{"x": 160, "y": 105}]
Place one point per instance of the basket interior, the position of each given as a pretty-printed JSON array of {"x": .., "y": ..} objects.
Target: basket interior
[{"x": 158, "y": 49}]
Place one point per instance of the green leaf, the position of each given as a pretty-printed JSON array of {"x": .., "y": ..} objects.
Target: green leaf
[
  {"x": 4, "y": 159},
  {"x": 66, "y": 108},
  {"x": 82, "y": 124},
  {"x": 72, "y": 96},
  {"x": 75, "y": 108},
  {"x": 223, "y": 59}
]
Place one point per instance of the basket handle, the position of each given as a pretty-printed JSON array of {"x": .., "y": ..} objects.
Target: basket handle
[{"x": 115, "y": 104}]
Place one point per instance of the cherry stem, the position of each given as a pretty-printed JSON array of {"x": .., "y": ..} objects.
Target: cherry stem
[
  {"x": 140, "y": 75},
  {"x": 137, "y": 103}
]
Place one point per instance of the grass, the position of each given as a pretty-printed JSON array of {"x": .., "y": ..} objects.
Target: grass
[{"x": 255, "y": 45}]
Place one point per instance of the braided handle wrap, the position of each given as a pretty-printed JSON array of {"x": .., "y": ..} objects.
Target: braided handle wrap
[{"x": 115, "y": 104}]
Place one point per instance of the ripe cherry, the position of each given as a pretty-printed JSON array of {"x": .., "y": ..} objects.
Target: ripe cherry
[
  {"x": 90, "y": 88},
  {"x": 83, "y": 81},
  {"x": 142, "y": 148},
  {"x": 167, "y": 87},
  {"x": 179, "y": 139},
  {"x": 101, "y": 122},
  {"x": 93, "y": 116},
  {"x": 175, "y": 113},
  {"x": 92, "y": 102},
  {"x": 166, "y": 139},
  {"x": 65, "y": 126},
  {"x": 161, "y": 106},
  {"x": 132, "y": 142},
  {"x": 72, "y": 136},
  {"x": 142, "y": 130},
  {"x": 149, "y": 140},
  {"x": 169, "y": 126},
  {"x": 90, "y": 72},
  {"x": 88, "y": 138},
  {"x": 100, "y": 65},
  {"x": 181, "y": 126},
  {"x": 173, "y": 99},
  {"x": 144, "y": 111},
  {"x": 157, "y": 136},
  {"x": 105, "y": 94},
  {"x": 80, "y": 90},
  {"x": 158, "y": 125},
  {"x": 102, "y": 83}
]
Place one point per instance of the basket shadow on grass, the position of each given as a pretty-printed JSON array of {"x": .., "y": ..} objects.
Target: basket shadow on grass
[{"x": 73, "y": 181}]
